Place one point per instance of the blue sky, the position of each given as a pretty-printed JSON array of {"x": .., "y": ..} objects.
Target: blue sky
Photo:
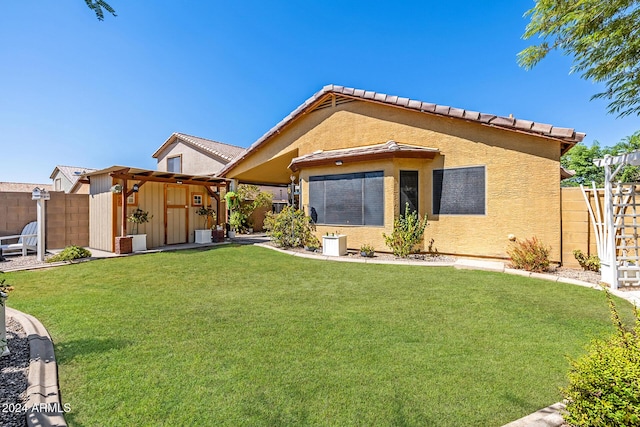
[{"x": 79, "y": 92}]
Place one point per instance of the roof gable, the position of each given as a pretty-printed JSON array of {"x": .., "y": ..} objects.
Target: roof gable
[
  {"x": 72, "y": 173},
  {"x": 225, "y": 152},
  {"x": 332, "y": 95}
]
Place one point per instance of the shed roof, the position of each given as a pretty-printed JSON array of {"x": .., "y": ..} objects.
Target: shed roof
[
  {"x": 224, "y": 151},
  {"x": 568, "y": 136},
  {"x": 157, "y": 176}
]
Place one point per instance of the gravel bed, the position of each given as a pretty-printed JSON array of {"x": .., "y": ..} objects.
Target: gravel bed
[
  {"x": 18, "y": 262},
  {"x": 14, "y": 371}
]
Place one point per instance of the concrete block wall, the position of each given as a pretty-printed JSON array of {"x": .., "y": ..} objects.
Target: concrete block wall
[
  {"x": 67, "y": 217},
  {"x": 577, "y": 229}
]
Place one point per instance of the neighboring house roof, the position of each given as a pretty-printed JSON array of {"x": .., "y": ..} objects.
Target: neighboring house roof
[
  {"x": 568, "y": 136},
  {"x": 72, "y": 173},
  {"x": 566, "y": 173},
  {"x": 21, "y": 187},
  {"x": 389, "y": 149},
  {"x": 224, "y": 151}
]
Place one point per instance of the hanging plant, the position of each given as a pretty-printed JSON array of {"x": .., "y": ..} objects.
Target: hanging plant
[
  {"x": 233, "y": 200},
  {"x": 117, "y": 189}
]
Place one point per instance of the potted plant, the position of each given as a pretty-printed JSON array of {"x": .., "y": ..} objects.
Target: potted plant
[
  {"x": 367, "y": 250},
  {"x": 138, "y": 217},
  {"x": 204, "y": 235},
  {"x": 236, "y": 221}
]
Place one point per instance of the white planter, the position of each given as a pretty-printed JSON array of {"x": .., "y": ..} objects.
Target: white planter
[
  {"x": 139, "y": 242},
  {"x": 203, "y": 236},
  {"x": 334, "y": 245},
  {"x": 231, "y": 234}
]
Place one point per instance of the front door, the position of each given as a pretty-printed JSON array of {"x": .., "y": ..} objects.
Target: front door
[{"x": 177, "y": 221}]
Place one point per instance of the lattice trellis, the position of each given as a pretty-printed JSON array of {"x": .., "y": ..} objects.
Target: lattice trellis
[
  {"x": 626, "y": 198},
  {"x": 616, "y": 225}
]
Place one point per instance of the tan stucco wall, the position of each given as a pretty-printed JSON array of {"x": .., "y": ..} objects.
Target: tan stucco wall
[
  {"x": 194, "y": 162},
  {"x": 522, "y": 173}
]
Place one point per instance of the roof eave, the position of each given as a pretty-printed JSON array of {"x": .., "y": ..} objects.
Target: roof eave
[{"x": 296, "y": 165}]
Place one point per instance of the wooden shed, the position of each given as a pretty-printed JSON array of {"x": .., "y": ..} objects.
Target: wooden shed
[{"x": 171, "y": 199}]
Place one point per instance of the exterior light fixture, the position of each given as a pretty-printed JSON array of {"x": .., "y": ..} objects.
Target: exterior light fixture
[
  {"x": 338, "y": 162},
  {"x": 135, "y": 188},
  {"x": 178, "y": 182}
]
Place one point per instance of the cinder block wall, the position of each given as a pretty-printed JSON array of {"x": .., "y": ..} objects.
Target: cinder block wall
[
  {"x": 67, "y": 220},
  {"x": 67, "y": 217},
  {"x": 16, "y": 210},
  {"x": 577, "y": 230}
]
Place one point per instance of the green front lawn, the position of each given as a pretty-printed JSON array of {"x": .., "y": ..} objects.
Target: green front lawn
[{"x": 243, "y": 335}]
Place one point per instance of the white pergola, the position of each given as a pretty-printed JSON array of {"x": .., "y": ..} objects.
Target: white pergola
[{"x": 616, "y": 229}]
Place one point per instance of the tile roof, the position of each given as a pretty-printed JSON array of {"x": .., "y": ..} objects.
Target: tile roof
[
  {"x": 72, "y": 173},
  {"x": 369, "y": 152},
  {"x": 224, "y": 151},
  {"x": 21, "y": 187},
  {"x": 567, "y": 135}
]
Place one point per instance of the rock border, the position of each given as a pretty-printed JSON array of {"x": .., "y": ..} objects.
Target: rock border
[{"x": 44, "y": 406}]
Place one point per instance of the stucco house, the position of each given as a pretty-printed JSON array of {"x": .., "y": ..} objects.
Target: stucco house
[
  {"x": 67, "y": 179},
  {"x": 359, "y": 156}
]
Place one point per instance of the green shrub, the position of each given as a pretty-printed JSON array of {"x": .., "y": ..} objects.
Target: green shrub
[
  {"x": 530, "y": 255},
  {"x": 408, "y": 230},
  {"x": 70, "y": 253},
  {"x": 290, "y": 228},
  {"x": 604, "y": 385},
  {"x": 590, "y": 263}
]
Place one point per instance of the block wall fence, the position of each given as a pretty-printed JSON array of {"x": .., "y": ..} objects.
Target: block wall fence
[
  {"x": 577, "y": 229},
  {"x": 67, "y": 217}
]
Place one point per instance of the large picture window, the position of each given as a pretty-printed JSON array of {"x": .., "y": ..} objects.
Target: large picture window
[
  {"x": 347, "y": 199},
  {"x": 459, "y": 191}
]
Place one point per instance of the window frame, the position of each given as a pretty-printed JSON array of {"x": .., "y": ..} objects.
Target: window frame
[
  {"x": 417, "y": 189},
  {"x": 379, "y": 214},
  {"x": 433, "y": 194},
  {"x": 179, "y": 157}
]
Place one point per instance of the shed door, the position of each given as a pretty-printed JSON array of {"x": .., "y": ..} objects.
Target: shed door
[{"x": 176, "y": 223}]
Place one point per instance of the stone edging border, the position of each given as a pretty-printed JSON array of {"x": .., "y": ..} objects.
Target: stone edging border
[{"x": 44, "y": 406}]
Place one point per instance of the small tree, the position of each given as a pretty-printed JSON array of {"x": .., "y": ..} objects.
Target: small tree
[
  {"x": 408, "y": 231},
  {"x": 138, "y": 217},
  {"x": 206, "y": 213}
]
